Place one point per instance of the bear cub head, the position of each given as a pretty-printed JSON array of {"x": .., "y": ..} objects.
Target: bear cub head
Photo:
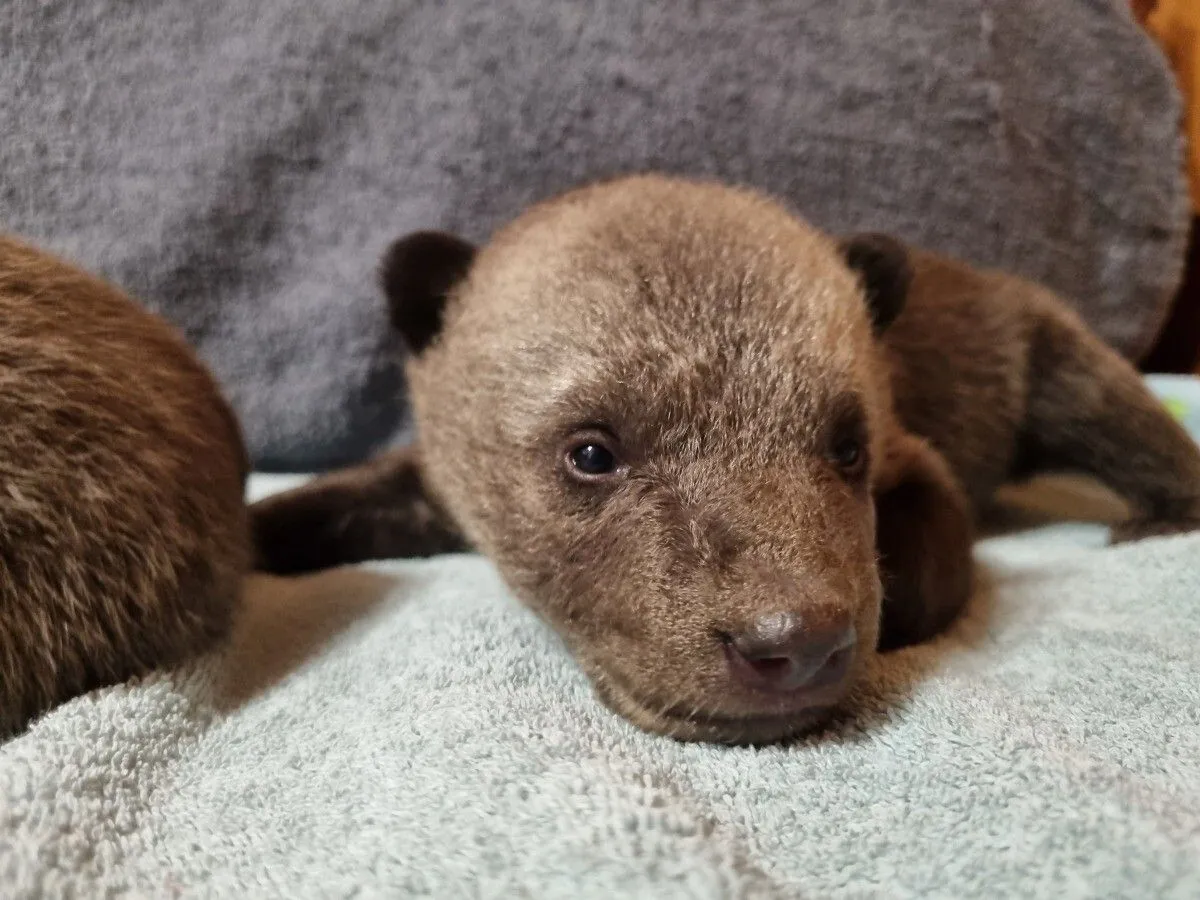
[{"x": 657, "y": 405}]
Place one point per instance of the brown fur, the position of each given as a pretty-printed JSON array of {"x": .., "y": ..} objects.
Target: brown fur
[
  {"x": 726, "y": 344},
  {"x": 123, "y": 531}
]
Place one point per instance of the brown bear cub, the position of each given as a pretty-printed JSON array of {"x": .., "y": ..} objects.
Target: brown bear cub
[
  {"x": 725, "y": 456},
  {"x": 123, "y": 530}
]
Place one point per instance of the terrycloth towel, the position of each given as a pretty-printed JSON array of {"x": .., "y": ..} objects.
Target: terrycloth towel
[
  {"x": 240, "y": 166},
  {"x": 407, "y": 729}
]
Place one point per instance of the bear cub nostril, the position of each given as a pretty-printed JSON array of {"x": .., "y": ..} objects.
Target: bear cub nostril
[{"x": 784, "y": 652}]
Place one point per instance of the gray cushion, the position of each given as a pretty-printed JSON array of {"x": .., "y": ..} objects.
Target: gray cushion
[{"x": 240, "y": 166}]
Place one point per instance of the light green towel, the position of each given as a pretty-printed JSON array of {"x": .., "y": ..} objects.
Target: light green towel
[
  {"x": 1181, "y": 394},
  {"x": 408, "y": 729}
]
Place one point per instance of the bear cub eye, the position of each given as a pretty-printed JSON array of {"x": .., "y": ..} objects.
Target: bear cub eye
[
  {"x": 848, "y": 445},
  {"x": 593, "y": 459},
  {"x": 590, "y": 457},
  {"x": 848, "y": 455}
]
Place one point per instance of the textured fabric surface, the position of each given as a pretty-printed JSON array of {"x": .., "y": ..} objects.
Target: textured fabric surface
[
  {"x": 406, "y": 729},
  {"x": 240, "y": 166}
]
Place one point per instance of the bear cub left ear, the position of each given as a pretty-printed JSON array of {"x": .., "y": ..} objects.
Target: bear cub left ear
[
  {"x": 881, "y": 263},
  {"x": 417, "y": 274}
]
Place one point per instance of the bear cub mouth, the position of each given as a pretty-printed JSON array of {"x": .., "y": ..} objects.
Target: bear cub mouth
[{"x": 750, "y": 712}]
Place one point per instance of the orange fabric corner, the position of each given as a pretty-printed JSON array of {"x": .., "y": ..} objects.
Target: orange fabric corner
[{"x": 1175, "y": 25}]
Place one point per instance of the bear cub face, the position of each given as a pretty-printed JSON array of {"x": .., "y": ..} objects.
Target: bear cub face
[{"x": 660, "y": 410}]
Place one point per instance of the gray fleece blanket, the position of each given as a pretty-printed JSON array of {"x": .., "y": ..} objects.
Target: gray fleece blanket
[
  {"x": 406, "y": 729},
  {"x": 240, "y": 166}
]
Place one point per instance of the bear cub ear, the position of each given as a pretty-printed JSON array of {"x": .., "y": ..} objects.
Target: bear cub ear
[
  {"x": 417, "y": 274},
  {"x": 882, "y": 265}
]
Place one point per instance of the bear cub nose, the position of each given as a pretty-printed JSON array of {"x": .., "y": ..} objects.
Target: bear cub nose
[{"x": 783, "y": 651}]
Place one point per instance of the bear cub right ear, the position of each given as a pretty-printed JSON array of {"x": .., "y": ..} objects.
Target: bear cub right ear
[
  {"x": 417, "y": 274},
  {"x": 883, "y": 268}
]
